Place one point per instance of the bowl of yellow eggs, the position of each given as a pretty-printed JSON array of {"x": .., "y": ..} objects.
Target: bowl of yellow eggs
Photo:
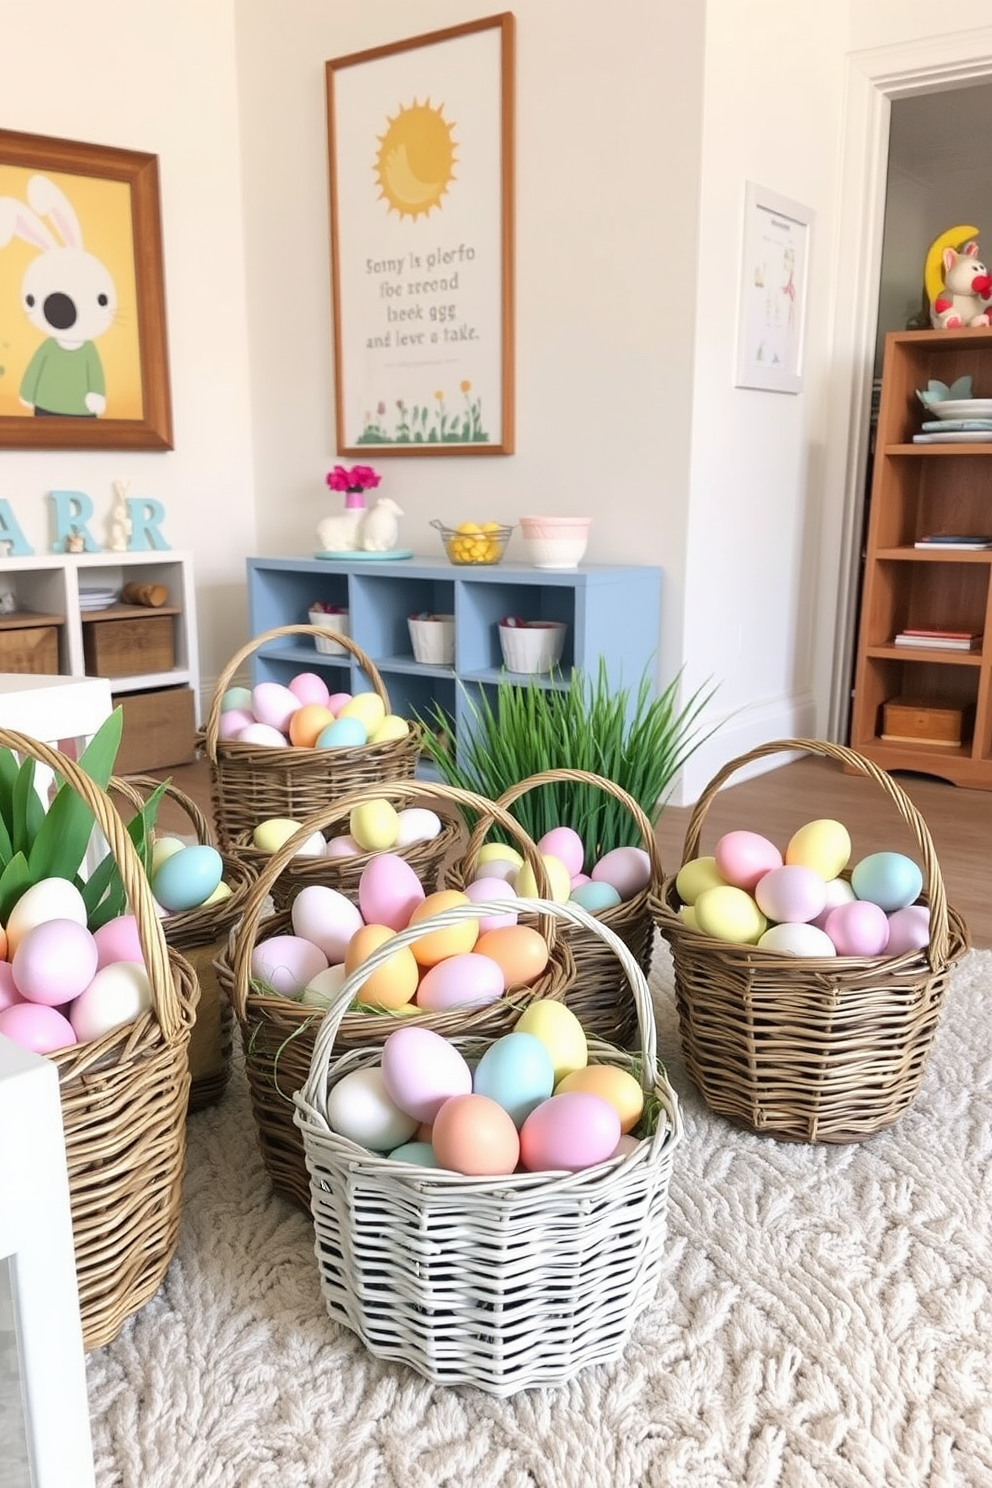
[{"x": 474, "y": 542}]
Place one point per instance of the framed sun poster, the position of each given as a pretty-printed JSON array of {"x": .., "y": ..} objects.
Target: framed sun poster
[
  {"x": 83, "y": 360},
  {"x": 420, "y": 149}
]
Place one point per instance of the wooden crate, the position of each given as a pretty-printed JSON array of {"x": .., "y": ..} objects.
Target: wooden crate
[
  {"x": 125, "y": 642},
  {"x": 159, "y": 730},
  {"x": 914, "y": 720},
  {"x": 29, "y": 646}
]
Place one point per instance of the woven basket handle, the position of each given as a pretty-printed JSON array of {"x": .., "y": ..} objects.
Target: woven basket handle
[
  {"x": 165, "y": 999},
  {"x": 212, "y": 726},
  {"x": 419, "y": 790},
  {"x": 932, "y": 879},
  {"x": 137, "y": 788},
  {"x": 314, "y": 1091},
  {"x": 576, "y": 777}
]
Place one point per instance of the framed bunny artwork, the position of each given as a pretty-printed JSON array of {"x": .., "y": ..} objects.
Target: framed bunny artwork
[{"x": 83, "y": 347}]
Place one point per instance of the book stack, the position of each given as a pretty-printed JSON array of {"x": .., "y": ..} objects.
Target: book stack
[
  {"x": 938, "y": 639},
  {"x": 953, "y": 540}
]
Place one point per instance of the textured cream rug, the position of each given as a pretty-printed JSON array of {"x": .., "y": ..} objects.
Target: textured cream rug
[{"x": 824, "y": 1321}]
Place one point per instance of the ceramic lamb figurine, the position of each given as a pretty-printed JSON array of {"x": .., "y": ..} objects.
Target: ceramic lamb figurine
[
  {"x": 379, "y": 528},
  {"x": 340, "y": 534},
  {"x": 966, "y": 298}
]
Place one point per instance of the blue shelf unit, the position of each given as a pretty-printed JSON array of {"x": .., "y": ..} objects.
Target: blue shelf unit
[{"x": 613, "y": 612}]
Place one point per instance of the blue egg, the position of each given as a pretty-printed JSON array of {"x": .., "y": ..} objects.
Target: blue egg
[
  {"x": 888, "y": 879},
  {"x": 236, "y": 697},
  {"x": 188, "y": 877},
  {"x": 595, "y": 896},
  {"x": 420, "y": 1153},
  {"x": 343, "y": 733},
  {"x": 517, "y": 1072}
]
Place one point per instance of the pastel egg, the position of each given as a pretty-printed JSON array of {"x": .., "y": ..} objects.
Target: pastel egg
[
  {"x": 416, "y": 824},
  {"x": 374, "y": 825},
  {"x": 421, "y": 1070},
  {"x": 324, "y": 988},
  {"x": 687, "y": 914},
  {"x": 471, "y": 1134},
  {"x": 286, "y": 963},
  {"x": 695, "y": 876},
  {"x": 451, "y": 940},
  {"x": 498, "y": 852},
  {"x": 8, "y": 990},
  {"x": 419, "y": 1154},
  {"x": 569, "y": 1132},
  {"x": 580, "y": 878},
  {"x": 565, "y": 844},
  {"x": 326, "y": 918},
  {"x": 391, "y": 727},
  {"x": 559, "y": 880},
  {"x": 521, "y": 950},
  {"x": 743, "y": 857},
  {"x": 309, "y": 689},
  {"x": 262, "y": 735},
  {"x": 54, "y": 962},
  {"x": 343, "y": 846},
  {"x": 236, "y": 697},
  {"x": 360, "y": 1108},
  {"x": 389, "y": 891},
  {"x": 337, "y": 700},
  {"x": 617, "y": 1086},
  {"x": 343, "y": 733},
  {"x": 367, "y": 707},
  {"x": 517, "y": 1072},
  {"x": 792, "y": 893},
  {"x": 729, "y": 913},
  {"x": 37, "y": 1027},
  {"x": 504, "y": 868},
  {"x": 467, "y": 980},
  {"x": 233, "y": 723},
  {"x": 823, "y": 845},
  {"x": 839, "y": 891},
  {"x": 889, "y": 879},
  {"x": 117, "y": 940},
  {"x": 119, "y": 993},
  {"x": 164, "y": 847},
  {"x": 308, "y": 723},
  {"x": 221, "y": 892},
  {"x": 797, "y": 939},
  {"x": 628, "y": 869},
  {"x": 488, "y": 889},
  {"x": 391, "y": 985},
  {"x": 596, "y": 897},
  {"x": 271, "y": 834},
  {"x": 860, "y": 928},
  {"x": 909, "y": 930},
  {"x": 560, "y": 1031},
  {"x": 274, "y": 704},
  {"x": 188, "y": 877},
  {"x": 48, "y": 899}
]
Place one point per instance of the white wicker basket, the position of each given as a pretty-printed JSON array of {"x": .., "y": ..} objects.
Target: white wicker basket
[{"x": 501, "y": 1283}]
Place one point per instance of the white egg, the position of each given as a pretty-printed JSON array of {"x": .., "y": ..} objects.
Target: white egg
[
  {"x": 263, "y": 734},
  {"x": 359, "y": 1107},
  {"x": 48, "y": 899},
  {"x": 416, "y": 824},
  {"x": 324, "y": 988},
  {"x": 118, "y": 994},
  {"x": 797, "y": 939}
]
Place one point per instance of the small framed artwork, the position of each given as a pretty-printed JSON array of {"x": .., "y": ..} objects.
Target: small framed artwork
[
  {"x": 774, "y": 277},
  {"x": 420, "y": 150},
  {"x": 83, "y": 348}
]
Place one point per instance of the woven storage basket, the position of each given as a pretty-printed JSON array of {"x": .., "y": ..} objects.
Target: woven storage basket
[
  {"x": 278, "y": 1034},
  {"x": 200, "y": 934},
  {"x": 251, "y": 783},
  {"x": 502, "y": 1283},
  {"x": 124, "y": 1104},
  {"x": 815, "y": 1050},
  {"x": 600, "y": 994},
  {"x": 425, "y": 858}
]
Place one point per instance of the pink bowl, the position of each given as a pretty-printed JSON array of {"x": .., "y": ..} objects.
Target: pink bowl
[{"x": 555, "y": 526}]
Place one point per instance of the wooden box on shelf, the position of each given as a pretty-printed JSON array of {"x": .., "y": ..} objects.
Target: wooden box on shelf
[
  {"x": 914, "y": 720},
  {"x": 159, "y": 729},
  {"x": 126, "y": 641},
  {"x": 29, "y": 643}
]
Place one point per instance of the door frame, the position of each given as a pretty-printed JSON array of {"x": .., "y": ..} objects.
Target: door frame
[{"x": 873, "y": 79}]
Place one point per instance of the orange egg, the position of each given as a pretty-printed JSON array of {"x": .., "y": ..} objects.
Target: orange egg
[
  {"x": 473, "y": 1135},
  {"x": 616, "y": 1086},
  {"x": 519, "y": 949},
  {"x": 3, "y": 944},
  {"x": 307, "y": 722},
  {"x": 455, "y": 940},
  {"x": 391, "y": 985}
]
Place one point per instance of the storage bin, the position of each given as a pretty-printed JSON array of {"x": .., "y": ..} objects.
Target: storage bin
[
  {"x": 334, "y": 623},
  {"x": 433, "y": 639},
  {"x": 129, "y": 644},
  {"x": 29, "y": 648},
  {"x": 532, "y": 646},
  {"x": 159, "y": 729}
]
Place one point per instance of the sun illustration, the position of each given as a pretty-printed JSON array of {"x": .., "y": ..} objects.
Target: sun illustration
[{"x": 416, "y": 159}]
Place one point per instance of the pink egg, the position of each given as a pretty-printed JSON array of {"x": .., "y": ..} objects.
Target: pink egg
[
  {"x": 569, "y": 1132},
  {"x": 9, "y": 994},
  {"x": 628, "y": 869},
  {"x": 909, "y": 929},
  {"x": 264, "y": 734},
  {"x": 37, "y": 1027},
  {"x": 337, "y": 700},
  {"x": 839, "y": 891},
  {"x": 421, "y": 1070},
  {"x": 286, "y": 963},
  {"x": 307, "y": 687},
  {"x": 274, "y": 704},
  {"x": 492, "y": 888},
  {"x": 792, "y": 894},
  {"x": 389, "y": 891},
  {"x": 234, "y": 722},
  {"x": 54, "y": 962},
  {"x": 744, "y": 857},
  {"x": 325, "y": 917},
  {"x": 565, "y": 844},
  {"x": 858, "y": 929},
  {"x": 578, "y": 879},
  {"x": 343, "y": 846},
  {"x": 466, "y": 980},
  {"x": 117, "y": 940}
]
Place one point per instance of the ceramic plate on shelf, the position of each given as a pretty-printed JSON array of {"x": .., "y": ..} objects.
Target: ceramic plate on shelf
[
  {"x": 956, "y": 436},
  {"x": 358, "y": 555},
  {"x": 958, "y": 408}
]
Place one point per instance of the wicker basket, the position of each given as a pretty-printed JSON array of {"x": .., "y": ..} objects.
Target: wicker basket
[
  {"x": 124, "y": 1104},
  {"x": 251, "y": 783},
  {"x": 815, "y": 1050},
  {"x": 502, "y": 1283},
  {"x": 600, "y": 995},
  {"x": 200, "y": 934},
  {"x": 427, "y": 859},
  {"x": 278, "y": 1034}
]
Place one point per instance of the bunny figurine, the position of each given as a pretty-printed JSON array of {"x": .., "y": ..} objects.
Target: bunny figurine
[
  {"x": 966, "y": 298},
  {"x": 379, "y": 528},
  {"x": 68, "y": 295}
]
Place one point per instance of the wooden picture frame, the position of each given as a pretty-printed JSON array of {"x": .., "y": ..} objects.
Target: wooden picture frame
[
  {"x": 98, "y": 208},
  {"x": 771, "y": 330},
  {"x": 420, "y": 154}
]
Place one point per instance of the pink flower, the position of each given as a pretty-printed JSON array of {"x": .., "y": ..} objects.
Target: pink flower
[{"x": 358, "y": 478}]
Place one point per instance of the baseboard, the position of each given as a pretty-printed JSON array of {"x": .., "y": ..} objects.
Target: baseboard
[{"x": 737, "y": 734}]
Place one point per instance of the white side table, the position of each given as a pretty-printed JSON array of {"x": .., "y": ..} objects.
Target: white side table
[{"x": 45, "y": 1439}]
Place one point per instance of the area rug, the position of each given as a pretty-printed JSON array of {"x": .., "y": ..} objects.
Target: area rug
[{"x": 823, "y": 1321}]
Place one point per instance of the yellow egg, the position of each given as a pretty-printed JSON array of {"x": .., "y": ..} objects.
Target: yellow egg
[
  {"x": 270, "y": 835},
  {"x": 560, "y": 1032},
  {"x": 162, "y": 848},
  {"x": 695, "y": 876},
  {"x": 374, "y": 825},
  {"x": 391, "y": 727},
  {"x": 823, "y": 845},
  {"x": 688, "y": 914},
  {"x": 393, "y": 984},
  {"x": 616, "y": 1086},
  {"x": 499, "y": 852},
  {"x": 559, "y": 879},
  {"x": 454, "y": 940},
  {"x": 730, "y": 914},
  {"x": 367, "y": 707},
  {"x": 221, "y": 892}
]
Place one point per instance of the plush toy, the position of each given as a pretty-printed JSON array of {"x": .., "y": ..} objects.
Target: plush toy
[{"x": 966, "y": 298}]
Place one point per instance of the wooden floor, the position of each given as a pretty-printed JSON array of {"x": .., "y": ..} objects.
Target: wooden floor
[{"x": 777, "y": 803}]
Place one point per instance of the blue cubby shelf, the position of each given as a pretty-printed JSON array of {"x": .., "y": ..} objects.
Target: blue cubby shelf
[{"x": 611, "y": 612}]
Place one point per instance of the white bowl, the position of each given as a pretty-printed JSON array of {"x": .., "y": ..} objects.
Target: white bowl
[
  {"x": 556, "y": 542},
  {"x": 433, "y": 640},
  {"x": 337, "y": 624},
  {"x": 532, "y": 648}
]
